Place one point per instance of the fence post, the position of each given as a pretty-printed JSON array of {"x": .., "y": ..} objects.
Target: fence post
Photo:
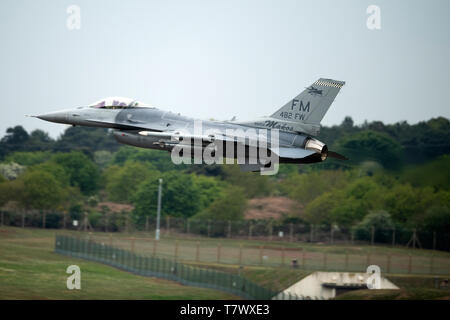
[
  {"x": 188, "y": 226},
  {"x": 229, "y": 229},
  {"x": 64, "y": 219},
  {"x": 393, "y": 237},
  {"x": 155, "y": 243},
  {"x": 282, "y": 255},
  {"x": 311, "y": 232},
  {"x": 432, "y": 263},
  {"x": 303, "y": 258},
  {"x": 132, "y": 244},
  {"x": 414, "y": 238},
  {"x": 372, "y": 236},
  {"x": 368, "y": 259},
  {"x": 291, "y": 232},
  {"x": 325, "y": 261},
  {"x": 388, "y": 263},
  {"x": 106, "y": 222},
  {"x": 250, "y": 227},
  {"x": 146, "y": 224},
  {"x": 270, "y": 230},
  {"x": 261, "y": 254},
  {"x": 240, "y": 254},
  {"x": 434, "y": 240},
  {"x": 168, "y": 225},
  {"x": 209, "y": 228},
  {"x": 128, "y": 223},
  {"x": 332, "y": 234},
  {"x": 352, "y": 233},
  {"x": 23, "y": 218},
  {"x": 44, "y": 216},
  {"x": 219, "y": 247},
  {"x": 110, "y": 240},
  {"x": 346, "y": 260},
  {"x": 409, "y": 263},
  {"x": 176, "y": 249},
  {"x": 197, "y": 252}
]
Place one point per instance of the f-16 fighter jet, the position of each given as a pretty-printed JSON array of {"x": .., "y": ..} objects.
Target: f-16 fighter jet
[{"x": 286, "y": 136}]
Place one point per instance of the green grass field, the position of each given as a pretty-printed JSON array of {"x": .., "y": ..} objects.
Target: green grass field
[
  {"x": 402, "y": 294},
  {"x": 29, "y": 269}
]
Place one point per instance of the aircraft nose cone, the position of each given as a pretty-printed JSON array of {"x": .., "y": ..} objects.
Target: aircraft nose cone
[{"x": 59, "y": 117}]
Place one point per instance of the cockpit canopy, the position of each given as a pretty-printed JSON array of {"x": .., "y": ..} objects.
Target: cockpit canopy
[{"x": 118, "y": 103}]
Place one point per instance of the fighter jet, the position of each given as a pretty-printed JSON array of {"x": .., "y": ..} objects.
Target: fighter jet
[{"x": 288, "y": 134}]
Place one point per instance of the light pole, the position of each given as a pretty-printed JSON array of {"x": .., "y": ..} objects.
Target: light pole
[{"x": 158, "y": 212}]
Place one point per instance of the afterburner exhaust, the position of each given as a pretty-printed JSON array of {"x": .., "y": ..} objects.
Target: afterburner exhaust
[{"x": 317, "y": 146}]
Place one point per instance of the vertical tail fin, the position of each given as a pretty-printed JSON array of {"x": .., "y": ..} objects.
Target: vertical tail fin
[{"x": 311, "y": 105}]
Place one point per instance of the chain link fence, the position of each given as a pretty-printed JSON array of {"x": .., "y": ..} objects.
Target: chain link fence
[
  {"x": 270, "y": 254},
  {"x": 265, "y": 230},
  {"x": 165, "y": 268}
]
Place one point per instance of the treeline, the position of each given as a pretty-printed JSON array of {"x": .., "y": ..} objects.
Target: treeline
[
  {"x": 84, "y": 139},
  {"x": 398, "y": 177},
  {"x": 391, "y": 144}
]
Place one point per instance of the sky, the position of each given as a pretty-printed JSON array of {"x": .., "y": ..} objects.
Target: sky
[{"x": 219, "y": 59}]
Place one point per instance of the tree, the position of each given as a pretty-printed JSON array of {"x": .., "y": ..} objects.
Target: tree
[
  {"x": 123, "y": 182},
  {"x": 347, "y": 123},
  {"x": 14, "y": 140},
  {"x": 56, "y": 170},
  {"x": 381, "y": 223},
  {"x": 435, "y": 174},
  {"x": 102, "y": 158},
  {"x": 319, "y": 210},
  {"x": 358, "y": 198},
  {"x": 42, "y": 191},
  {"x": 437, "y": 219},
  {"x": 306, "y": 187},
  {"x": 82, "y": 171},
  {"x": 39, "y": 141},
  {"x": 371, "y": 145},
  {"x": 11, "y": 191},
  {"x": 230, "y": 206},
  {"x": 402, "y": 202},
  {"x": 209, "y": 189},
  {"x": 346, "y": 204},
  {"x": 86, "y": 139},
  {"x": 15, "y": 137},
  {"x": 180, "y": 196},
  {"x": 252, "y": 183},
  {"x": 27, "y": 158},
  {"x": 160, "y": 160},
  {"x": 11, "y": 170}
]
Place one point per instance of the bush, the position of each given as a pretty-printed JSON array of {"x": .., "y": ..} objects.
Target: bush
[{"x": 381, "y": 222}]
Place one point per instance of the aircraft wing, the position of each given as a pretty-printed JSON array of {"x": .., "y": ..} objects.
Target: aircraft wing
[{"x": 174, "y": 137}]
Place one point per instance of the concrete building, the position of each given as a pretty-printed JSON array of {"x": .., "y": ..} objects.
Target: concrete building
[{"x": 327, "y": 285}]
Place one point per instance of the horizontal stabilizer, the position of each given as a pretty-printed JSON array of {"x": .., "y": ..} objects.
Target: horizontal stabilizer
[{"x": 294, "y": 153}]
